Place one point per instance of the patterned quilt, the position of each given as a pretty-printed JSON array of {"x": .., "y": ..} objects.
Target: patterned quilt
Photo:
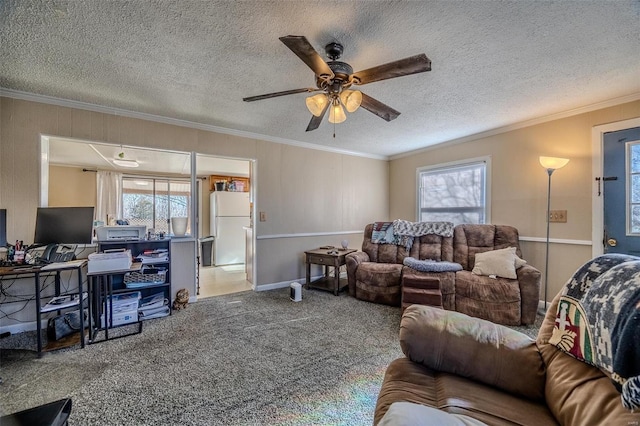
[{"x": 598, "y": 321}]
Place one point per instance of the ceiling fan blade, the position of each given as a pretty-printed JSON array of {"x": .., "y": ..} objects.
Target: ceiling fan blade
[
  {"x": 378, "y": 108},
  {"x": 412, "y": 65},
  {"x": 303, "y": 49},
  {"x": 315, "y": 121},
  {"x": 276, "y": 94}
]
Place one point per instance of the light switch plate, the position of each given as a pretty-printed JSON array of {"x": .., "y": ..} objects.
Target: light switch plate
[{"x": 559, "y": 216}]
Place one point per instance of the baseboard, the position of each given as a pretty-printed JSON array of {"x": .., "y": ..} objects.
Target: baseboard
[
  {"x": 542, "y": 310},
  {"x": 22, "y": 327},
  {"x": 281, "y": 284},
  {"x": 284, "y": 284}
]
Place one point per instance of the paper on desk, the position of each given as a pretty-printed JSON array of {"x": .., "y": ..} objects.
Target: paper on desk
[
  {"x": 61, "y": 302},
  {"x": 60, "y": 265}
]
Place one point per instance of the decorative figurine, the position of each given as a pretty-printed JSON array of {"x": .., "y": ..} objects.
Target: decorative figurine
[{"x": 182, "y": 299}]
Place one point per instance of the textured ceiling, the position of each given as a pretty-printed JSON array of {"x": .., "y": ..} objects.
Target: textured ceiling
[{"x": 495, "y": 63}]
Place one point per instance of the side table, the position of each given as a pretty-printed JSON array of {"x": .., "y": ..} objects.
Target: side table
[{"x": 324, "y": 258}]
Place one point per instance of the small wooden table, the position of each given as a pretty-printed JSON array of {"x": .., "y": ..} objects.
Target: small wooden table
[{"x": 322, "y": 257}]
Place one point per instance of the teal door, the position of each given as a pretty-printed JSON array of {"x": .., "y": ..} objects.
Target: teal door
[{"x": 621, "y": 190}]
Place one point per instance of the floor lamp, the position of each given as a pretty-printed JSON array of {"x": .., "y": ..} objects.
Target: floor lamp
[{"x": 551, "y": 164}]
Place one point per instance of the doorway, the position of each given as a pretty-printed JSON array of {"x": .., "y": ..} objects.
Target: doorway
[
  {"x": 225, "y": 211},
  {"x": 620, "y": 185},
  {"x": 598, "y": 135},
  {"x": 170, "y": 176}
]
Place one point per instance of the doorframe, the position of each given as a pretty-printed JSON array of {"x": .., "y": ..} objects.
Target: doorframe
[{"x": 597, "y": 202}]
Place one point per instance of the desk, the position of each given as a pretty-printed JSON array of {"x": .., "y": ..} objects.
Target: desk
[
  {"x": 47, "y": 270},
  {"x": 322, "y": 257},
  {"x": 100, "y": 295}
]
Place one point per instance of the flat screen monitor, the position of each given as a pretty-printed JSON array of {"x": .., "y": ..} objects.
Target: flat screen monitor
[
  {"x": 3, "y": 227},
  {"x": 64, "y": 225}
]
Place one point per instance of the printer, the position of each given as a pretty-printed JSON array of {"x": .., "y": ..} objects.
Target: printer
[{"x": 121, "y": 232}]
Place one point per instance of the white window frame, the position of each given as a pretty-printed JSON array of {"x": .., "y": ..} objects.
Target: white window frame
[
  {"x": 459, "y": 163},
  {"x": 629, "y": 188},
  {"x": 155, "y": 179}
]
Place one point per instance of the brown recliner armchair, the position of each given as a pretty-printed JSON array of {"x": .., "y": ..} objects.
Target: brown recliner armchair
[
  {"x": 470, "y": 367},
  {"x": 375, "y": 273},
  {"x": 497, "y": 299}
]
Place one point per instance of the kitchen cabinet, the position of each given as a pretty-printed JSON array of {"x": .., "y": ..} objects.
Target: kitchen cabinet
[{"x": 227, "y": 180}]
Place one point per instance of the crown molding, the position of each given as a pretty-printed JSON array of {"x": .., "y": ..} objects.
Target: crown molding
[
  {"x": 50, "y": 100},
  {"x": 515, "y": 126}
]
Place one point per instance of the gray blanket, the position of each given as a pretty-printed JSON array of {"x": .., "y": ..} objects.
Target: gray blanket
[{"x": 431, "y": 265}]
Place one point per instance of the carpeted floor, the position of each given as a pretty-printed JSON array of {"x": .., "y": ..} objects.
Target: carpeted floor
[{"x": 244, "y": 359}]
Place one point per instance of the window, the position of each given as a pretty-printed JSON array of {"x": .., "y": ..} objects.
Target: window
[
  {"x": 454, "y": 193},
  {"x": 154, "y": 201},
  {"x": 633, "y": 191}
]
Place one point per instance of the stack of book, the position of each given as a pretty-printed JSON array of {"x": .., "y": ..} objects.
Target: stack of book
[
  {"x": 154, "y": 306},
  {"x": 154, "y": 256}
]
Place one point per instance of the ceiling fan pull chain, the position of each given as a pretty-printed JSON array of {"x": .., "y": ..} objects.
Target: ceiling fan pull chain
[{"x": 334, "y": 130}]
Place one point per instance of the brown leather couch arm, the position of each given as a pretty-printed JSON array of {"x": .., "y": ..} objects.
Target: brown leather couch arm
[
  {"x": 353, "y": 261},
  {"x": 529, "y": 281},
  {"x": 473, "y": 348}
]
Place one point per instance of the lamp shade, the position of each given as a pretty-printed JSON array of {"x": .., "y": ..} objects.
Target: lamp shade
[
  {"x": 336, "y": 113},
  {"x": 316, "y": 103},
  {"x": 351, "y": 99},
  {"x": 553, "y": 163}
]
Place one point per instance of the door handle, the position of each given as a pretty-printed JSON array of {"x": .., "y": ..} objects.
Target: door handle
[{"x": 612, "y": 242}]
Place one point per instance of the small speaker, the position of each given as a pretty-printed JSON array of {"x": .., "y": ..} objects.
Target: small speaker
[{"x": 295, "y": 292}]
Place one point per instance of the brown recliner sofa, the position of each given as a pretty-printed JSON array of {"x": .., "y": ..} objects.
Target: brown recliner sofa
[
  {"x": 377, "y": 272},
  {"x": 470, "y": 367}
]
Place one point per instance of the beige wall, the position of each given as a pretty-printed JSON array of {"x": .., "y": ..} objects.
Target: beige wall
[
  {"x": 519, "y": 183},
  {"x": 302, "y": 191},
  {"x": 314, "y": 197},
  {"x": 70, "y": 186}
]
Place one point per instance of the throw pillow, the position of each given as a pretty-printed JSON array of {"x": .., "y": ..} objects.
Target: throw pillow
[{"x": 501, "y": 263}]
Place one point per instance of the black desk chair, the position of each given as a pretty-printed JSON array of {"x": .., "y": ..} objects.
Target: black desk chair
[{"x": 52, "y": 414}]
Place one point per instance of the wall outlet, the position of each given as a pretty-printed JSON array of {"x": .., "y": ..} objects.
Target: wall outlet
[
  {"x": 263, "y": 216},
  {"x": 558, "y": 216}
]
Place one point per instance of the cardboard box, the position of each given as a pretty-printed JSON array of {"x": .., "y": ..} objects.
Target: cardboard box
[
  {"x": 121, "y": 318},
  {"x": 106, "y": 262}
]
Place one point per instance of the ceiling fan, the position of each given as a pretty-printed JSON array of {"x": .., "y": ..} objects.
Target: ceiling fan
[{"x": 335, "y": 78}]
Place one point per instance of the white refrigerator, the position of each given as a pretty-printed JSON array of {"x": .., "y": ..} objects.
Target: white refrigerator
[{"x": 229, "y": 214}]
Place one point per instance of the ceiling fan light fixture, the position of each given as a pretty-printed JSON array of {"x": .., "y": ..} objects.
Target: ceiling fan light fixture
[
  {"x": 316, "y": 103},
  {"x": 351, "y": 99},
  {"x": 336, "y": 113},
  {"x": 125, "y": 163}
]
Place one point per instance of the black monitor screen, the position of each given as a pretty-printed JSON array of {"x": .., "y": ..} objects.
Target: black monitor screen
[
  {"x": 3, "y": 227},
  {"x": 64, "y": 225}
]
